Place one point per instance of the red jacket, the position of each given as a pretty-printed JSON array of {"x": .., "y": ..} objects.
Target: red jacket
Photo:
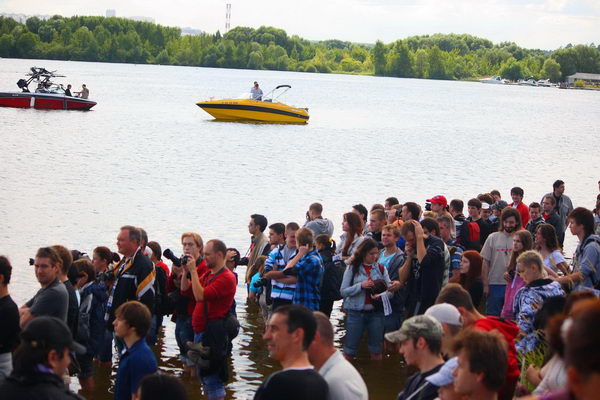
[
  {"x": 524, "y": 211},
  {"x": 219, "y": 291},
  {"x": 509, "y": 330}
]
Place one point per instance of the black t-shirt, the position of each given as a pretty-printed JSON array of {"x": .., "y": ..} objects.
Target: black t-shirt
[
  {"x": 476, "y": 292},
  {"x": 418, "y": 384},
  {"x": 426, "y": 277},
  {"x": 9, "y": 329},
  {"x": 293, "y": 384}
]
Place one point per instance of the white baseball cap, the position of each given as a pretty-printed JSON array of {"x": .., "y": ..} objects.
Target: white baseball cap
[{"x": 445, "y": 313}]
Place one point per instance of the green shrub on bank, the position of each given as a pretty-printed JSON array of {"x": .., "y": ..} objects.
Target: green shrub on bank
[{"x": 437, "y": 56}]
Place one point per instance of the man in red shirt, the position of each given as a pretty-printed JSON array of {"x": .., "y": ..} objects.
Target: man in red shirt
[
  {"x": 214, "y": 292},
  {"x": 454, "y": 294},
  {"x": 179, "y": 286},
  {"x": 517, "y": 194}
]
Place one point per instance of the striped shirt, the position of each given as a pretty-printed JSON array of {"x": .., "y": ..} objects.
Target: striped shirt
[{"x": 276, "y": 261}]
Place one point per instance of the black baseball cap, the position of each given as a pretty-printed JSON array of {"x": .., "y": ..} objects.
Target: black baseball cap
[{"x": 50, "y": 333}]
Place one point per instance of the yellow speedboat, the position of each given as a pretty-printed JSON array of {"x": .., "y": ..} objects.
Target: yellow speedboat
[{"x": 246, "y": 109}]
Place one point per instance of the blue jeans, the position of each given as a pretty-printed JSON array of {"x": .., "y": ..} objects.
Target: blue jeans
[
  {"x": 356, "y": 324},
  {"x": 495, "y": 300},
  {"x": 183, "y": 334},
  {"x": 392, "y": 322},
  {"x": 213, "y": 386}
]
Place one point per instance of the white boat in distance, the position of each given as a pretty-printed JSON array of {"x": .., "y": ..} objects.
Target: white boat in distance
[
  {"x": 494, "y": 79},
  {"x": 545, "y": 83},
  {"x": 527, "y": 82}
]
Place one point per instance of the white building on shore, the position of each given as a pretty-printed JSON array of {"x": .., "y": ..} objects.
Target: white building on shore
[{"x": 583, "y": 76}]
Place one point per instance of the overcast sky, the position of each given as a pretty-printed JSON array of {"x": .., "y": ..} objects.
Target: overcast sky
[{"x": 546, "y": 24}]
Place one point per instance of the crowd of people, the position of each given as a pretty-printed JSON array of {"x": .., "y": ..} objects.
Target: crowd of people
[{"x": 467, "y": 301}]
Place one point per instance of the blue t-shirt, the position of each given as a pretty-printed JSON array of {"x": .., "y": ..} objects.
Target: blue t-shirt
[
  {"x": 383, "y": 260},
  {"x": 255, "y": 278},
  {"x": 136, "y": 362}
]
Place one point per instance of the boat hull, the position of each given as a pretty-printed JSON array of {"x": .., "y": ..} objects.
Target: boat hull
[
  {"x": 252, "y": 110},
  {"x": 44, "y": 101}
]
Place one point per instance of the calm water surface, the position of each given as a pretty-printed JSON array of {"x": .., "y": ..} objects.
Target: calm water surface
[{"x": 148, "y": 156}]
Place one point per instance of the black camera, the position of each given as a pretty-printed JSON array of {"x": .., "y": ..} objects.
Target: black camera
[
  {"x": 31, "y": 261},
  {"x": 427, "y": 206},
  {"x": 261, "y": 283},
  {"x": 174, "y": 259},
  {"x": 184, "y": 260},
  {"x": 107, "y": 276}
]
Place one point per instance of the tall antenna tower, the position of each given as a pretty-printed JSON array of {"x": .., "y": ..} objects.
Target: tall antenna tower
[{"x": 227, "y": 17}]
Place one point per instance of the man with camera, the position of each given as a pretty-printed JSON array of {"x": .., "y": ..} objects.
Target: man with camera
[
  {"x": 180, "y": 290},
  {"x": 214, "y": 292},
  {"x": 134, "y": 275}
]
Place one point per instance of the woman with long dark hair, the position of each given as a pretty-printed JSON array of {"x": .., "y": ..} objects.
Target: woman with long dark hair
[
  {"x": 546, "y": 243},
  {"x": 364, "y": 278},
  {"x": 522, "y": 241},
  {"x": 470, "y": 275},
  {"x": 352, "y": 236}
]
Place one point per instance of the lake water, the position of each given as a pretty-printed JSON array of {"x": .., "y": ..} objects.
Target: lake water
[{"x": 147, "y": 155}]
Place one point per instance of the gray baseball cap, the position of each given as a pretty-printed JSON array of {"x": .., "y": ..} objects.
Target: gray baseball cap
[{"x": 415, "y": 327}]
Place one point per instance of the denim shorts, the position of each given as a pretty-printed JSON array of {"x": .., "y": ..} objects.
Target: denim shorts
[
  {"x": 183, "y": 334},
  {"x": 357, "y": 323}
]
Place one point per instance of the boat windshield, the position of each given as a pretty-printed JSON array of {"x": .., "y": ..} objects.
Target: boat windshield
[
  {"x": 244, "y": 96},
  {"x": 53, "y": 89}
]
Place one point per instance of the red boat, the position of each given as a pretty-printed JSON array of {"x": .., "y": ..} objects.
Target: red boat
[{"x": 48, "y": 95}]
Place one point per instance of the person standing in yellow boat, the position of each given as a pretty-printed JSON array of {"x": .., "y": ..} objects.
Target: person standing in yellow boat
[{"x": 256, "y": 92}]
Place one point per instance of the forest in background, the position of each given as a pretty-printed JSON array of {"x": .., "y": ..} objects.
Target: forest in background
[{"x": 437, "y": 56}]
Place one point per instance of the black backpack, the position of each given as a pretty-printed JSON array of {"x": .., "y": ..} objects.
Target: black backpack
[
  {"x": 163, "y": 304},
  {"x": 83, "y": 326},
  {"x": 333, "y": 275}
]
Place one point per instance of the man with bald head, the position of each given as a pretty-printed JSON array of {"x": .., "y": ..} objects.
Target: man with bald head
[{"x": 343, "y": 379}]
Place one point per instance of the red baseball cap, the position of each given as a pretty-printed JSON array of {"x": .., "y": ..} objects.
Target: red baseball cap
[{"x": 439, "y": 199}]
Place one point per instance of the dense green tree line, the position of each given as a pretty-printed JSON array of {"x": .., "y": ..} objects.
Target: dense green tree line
[{"x": 436, "y": 56}]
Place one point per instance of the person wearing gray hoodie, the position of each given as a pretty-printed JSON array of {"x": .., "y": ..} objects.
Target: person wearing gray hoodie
[{"x": 316, "y": 223}]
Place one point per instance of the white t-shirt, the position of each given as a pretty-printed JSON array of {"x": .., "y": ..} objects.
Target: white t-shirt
[
  {"x": 497, "y": 251},
  {"x": 553, "y": 259},
  {"x": 345, "y": 383}
]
